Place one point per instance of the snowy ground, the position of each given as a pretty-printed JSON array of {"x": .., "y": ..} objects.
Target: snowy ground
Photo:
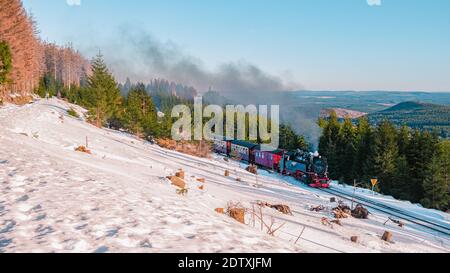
[{"x": 53, "y": 199}]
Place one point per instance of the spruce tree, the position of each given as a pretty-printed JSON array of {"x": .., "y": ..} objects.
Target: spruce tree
[
  {"x": 105, "y": 100},
  {"x": 364, "y": 136},
  {"x": 329, "y": 143},
  {"x": 385, "y": 155},
  {"x": 403, "y": 139},
  {"x": 140, "y": 113},
  {"x": 435, "y": 186},
  {"x": 346, "y": 151}
]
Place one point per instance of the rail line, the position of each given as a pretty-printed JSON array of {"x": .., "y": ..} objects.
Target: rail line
[{"x": 391, "y": 211}]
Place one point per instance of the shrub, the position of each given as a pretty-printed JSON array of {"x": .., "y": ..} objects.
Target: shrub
[{"x": 73, "y": 113}]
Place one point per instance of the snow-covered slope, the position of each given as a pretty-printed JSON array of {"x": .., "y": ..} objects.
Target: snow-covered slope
[{"x": 118, "y": 199}]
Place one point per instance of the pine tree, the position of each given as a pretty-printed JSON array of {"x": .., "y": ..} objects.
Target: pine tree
[
  {"x": 329, "y": 142},
  {"x": 402, "y": 179},
  {"x": 140, "y": 112},
  {"x": 445, "y": 159},
  {"x": 403, "y": 139},
  {"x": 364, "y": 140},
  {"x": 385, "y": 155},
  {"x": 346, "y": 151},
  {"x": 105, "y": 101},
  {"x": 435, "y": 186},
  {"x": 422, "y": 147}
]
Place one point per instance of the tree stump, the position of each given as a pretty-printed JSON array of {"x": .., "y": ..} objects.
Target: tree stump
[
  {"x": 180, "y": 174},
  {"x": 238, "y": 214},
  {"x": 387, "y": 236}
]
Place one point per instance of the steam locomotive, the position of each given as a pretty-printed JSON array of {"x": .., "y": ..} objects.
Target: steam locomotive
[{"x": 307, "y": 167}]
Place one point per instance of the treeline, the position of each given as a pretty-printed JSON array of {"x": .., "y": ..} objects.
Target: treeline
[
  {"x": 27, "y": 63},
  {"x": 20, "y": 59},
  {"x": 409, "y": 164},
  {"x": 163, "y": 86},
  {"x": 97, "y": 91}
]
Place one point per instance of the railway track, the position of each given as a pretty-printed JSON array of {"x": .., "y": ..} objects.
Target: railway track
[{"x": 441, "y": 229}]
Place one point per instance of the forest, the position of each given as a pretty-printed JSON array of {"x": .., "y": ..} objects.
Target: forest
[
  {"x": 27, "y": 62},
  {"x": 417, "y": 115},
  {"x": 410, "y": 164}
]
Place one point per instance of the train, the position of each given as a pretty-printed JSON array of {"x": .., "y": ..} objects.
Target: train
[{"x": 309, "y": 168}]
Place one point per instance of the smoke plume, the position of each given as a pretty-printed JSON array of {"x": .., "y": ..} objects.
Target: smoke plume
[{"x": 138, "y": 55}]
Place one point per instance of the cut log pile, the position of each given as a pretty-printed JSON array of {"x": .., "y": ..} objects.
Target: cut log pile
[{"x": 342, "y": 211}]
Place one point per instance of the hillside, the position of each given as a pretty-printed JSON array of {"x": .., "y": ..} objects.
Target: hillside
[
  {"x": 424, "y": 116},
  {"x": 342, "y": 113},
  {"x": 118, "y": 199}
]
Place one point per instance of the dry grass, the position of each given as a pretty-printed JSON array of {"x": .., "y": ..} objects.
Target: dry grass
[
  {"x": 83, "y": 149},
  {"x": 194, "y": 148}
]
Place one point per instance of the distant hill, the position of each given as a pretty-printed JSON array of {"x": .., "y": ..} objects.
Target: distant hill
[{"x": 423, "y": 116}]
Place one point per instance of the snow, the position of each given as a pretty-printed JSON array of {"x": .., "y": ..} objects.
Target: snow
[{"x": 53, "y": 199}]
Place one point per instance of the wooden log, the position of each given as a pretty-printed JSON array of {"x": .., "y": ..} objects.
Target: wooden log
[
  {"x": 176, "y": 181},
  {"x": 220, "y": 210}
]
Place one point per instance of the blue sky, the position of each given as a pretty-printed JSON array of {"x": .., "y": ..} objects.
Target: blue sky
[{"x": 317, "y": 44}]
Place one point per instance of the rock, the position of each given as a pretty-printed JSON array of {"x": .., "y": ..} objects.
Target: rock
[
  {"x": 354, "y": 239},
  {"x": 333, "y": 200},
  {"x": 360, "y": 212}
]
